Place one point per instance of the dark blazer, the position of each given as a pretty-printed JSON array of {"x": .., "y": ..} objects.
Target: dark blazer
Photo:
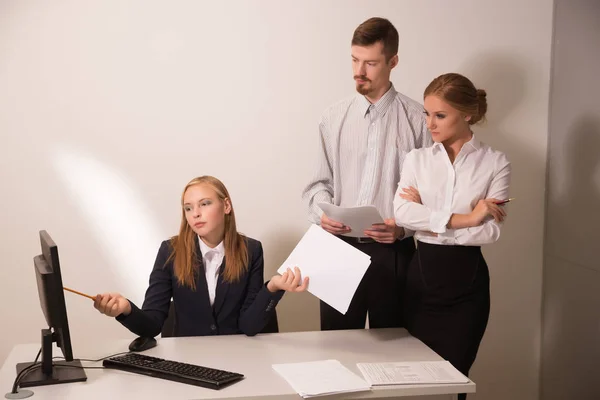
[{"x": 241, "y": 307}]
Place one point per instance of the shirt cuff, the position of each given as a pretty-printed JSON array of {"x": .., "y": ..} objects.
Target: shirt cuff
[
  {"x": 439, "y": 220},
  {"x": 274, "y": 295},
  {"x": 314, "y": 214},
  {"x": 448, "y": 237},
  {"x": 122, "y": 317}
]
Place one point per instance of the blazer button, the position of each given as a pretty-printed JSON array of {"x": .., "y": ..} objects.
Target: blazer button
[{"x": 213, "y": 327}]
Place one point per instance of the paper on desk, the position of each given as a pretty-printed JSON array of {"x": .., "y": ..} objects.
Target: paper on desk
[
  {"x": 318, "y": 378},
  {"x": 411, "y": 373},
  {"x": 334, "y": 267},
  {"x": 358, "y": 219}
]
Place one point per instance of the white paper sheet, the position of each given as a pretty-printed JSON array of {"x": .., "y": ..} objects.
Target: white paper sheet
[
  {"x": 357, "y": 218},
  {"x": 334, "y": 267},
  {"x": 318, "y": 378},
  {"x": 411, "y": 373}
]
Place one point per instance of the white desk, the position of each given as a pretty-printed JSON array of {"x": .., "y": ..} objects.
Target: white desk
[{"x": 251, "y": 356}]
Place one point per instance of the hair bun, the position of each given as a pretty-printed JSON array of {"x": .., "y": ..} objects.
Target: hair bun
[{"x": 481, "y": 106}]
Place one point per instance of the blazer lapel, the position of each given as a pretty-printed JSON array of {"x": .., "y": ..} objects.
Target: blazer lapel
[{"x": 222, "y": 288}]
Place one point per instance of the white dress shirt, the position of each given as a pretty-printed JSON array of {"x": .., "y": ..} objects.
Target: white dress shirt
[
  {"x": 478, "y": 173},
  {"x": 212, "y": 259},
  {"x": 361, "y": 150}
]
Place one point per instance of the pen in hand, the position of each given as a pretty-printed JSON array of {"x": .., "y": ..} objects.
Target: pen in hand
[{"x": 500, "y": 203}]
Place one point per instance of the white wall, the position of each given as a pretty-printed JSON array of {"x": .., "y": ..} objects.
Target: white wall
[
  {"x": 109, "y": 108},
  {"x": 571, "y": 321}
]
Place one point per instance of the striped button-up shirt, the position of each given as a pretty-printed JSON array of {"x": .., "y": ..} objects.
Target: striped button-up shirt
[{"x": 361, "y": 150}]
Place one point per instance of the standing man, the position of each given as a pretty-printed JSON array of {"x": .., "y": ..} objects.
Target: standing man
[{"x": 362, "y": 144}]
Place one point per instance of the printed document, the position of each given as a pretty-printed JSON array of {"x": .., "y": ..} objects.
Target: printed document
[{"x": 411, "y": 373}]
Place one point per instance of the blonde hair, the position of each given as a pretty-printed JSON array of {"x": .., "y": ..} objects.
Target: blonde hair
[
  {"x": 184, "y": 246},
  {"x": 460, "y": 93}
]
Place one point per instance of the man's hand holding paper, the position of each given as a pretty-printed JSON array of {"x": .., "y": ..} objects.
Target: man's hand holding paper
[
  {"x": 356, "y": 219},
  {"x": 387, "y": 232},
  {"x": 333, "y": 227}
]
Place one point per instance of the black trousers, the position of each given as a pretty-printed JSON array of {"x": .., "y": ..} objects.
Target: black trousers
[
  {"x": 447, "y": 301},
  {"x": 379, "y": 292}
]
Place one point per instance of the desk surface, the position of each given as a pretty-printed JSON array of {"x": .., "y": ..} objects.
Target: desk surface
[{"x": 251, "y": 356}]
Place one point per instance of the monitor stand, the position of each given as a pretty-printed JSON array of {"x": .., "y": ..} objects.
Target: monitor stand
[{"x": 47, "y": 373}]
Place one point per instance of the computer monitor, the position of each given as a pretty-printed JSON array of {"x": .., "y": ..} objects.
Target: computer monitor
[{"x": 52, "y": 302}]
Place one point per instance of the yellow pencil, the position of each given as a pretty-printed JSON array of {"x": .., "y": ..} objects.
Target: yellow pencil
[{"x": 79, "y": 293}]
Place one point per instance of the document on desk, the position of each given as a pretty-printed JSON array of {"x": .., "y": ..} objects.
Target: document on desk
[
  {"x": 358, "y": 219},
  {"x": 319, "y": 378},
  {"x": 411, "y": 373},
  {"x": 334, "y": 267}
]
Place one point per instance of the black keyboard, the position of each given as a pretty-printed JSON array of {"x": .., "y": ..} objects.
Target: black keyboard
[{"x": 172, "y": 370}]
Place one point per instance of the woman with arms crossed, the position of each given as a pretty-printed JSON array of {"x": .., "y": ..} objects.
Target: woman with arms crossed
[{"x": 449, "y": 194}]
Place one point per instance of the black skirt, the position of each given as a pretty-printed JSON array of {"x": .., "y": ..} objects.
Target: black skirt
[{"x": 447, "y": 301}]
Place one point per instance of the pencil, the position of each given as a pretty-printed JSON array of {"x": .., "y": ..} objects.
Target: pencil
[{"x": 79, "y": 293}]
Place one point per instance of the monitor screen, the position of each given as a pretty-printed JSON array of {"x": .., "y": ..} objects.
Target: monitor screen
[
  {"x": 52, "y": 303},
  {"x": 50, "y": 290}
]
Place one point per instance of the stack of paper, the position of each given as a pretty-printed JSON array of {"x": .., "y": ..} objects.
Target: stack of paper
[
  {"x": 334, "y": 267},
  {"x": 411, "y": 373},
  {"x": 318, "y": 378},
  {"x": 359, "y": 218}
]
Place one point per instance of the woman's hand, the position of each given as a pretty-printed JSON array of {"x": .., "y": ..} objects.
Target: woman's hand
[
  {"x": 411, "y": 194},
  {"x": 289, "y": 281},
  {"x": 485, "y": 208},
  {"x": 112, "y": 304}
]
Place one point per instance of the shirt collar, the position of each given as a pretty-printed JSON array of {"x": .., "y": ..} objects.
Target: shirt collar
[
  {"x": 381, "y": 106},
  {"x": 474, "y": 144},
  {"x": 204, "y": 248}
]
